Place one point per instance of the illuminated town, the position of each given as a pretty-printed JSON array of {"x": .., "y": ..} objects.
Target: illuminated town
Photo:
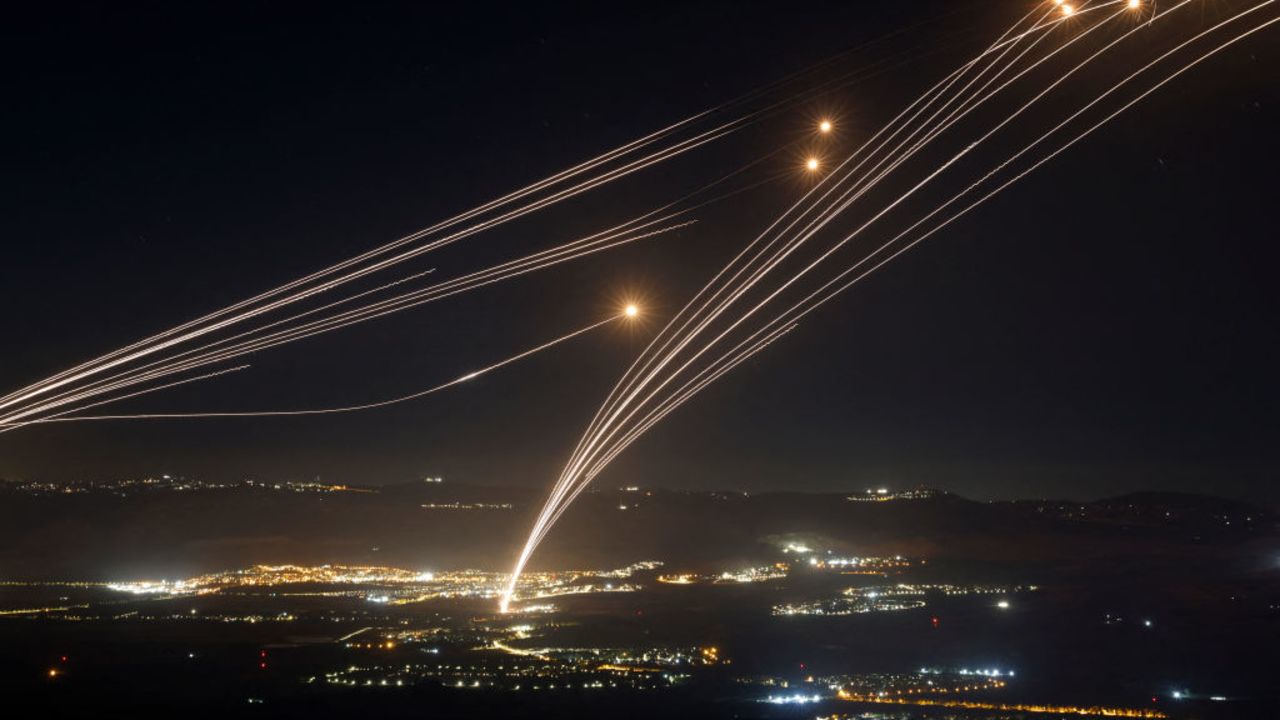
[
  {"x": 395, "y": 586},
  {"x": 725, "y": 360},
  {"x": 350, "y": 627},
  {"x": 885, "y": 495},
  {"x": 885, "y": 598}
]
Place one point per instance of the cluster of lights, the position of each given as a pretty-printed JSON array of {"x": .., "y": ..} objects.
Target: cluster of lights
[
  {"x": 777, "y": 571},
  {"x": 541, "y": 669},
  {"x": 1005, "y": 707},
  {"x": 884, "y": 494},
  {"x": 889, "y": 598},
  {"x": 397, "y": 586},
  {"x": 992, "y": 672},
  {"x": 861, "y": 565},
  {"x": 795, "y": 699},
  {"x": 847, "y": 606},
  {"x": 679, "y": 579},
  {"x": 763, "y": 573}
]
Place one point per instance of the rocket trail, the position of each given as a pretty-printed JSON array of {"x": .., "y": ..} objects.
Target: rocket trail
[
  {"x": 614, "y": 428},
  {"x": 214, "y": 352},
  {"x": 7, "y": 427},
  {"x": 824, "y": 293},
  {"x": 643, "y": 364},
  {"x": 252, "y": 306},
  {"x": 929, "y": 95},
  {"x": 680, "y": 148},
  {"x": 446, "y": 289},
  {"x": 315, "y": 411},
  {"x": 756, "y": 276},
  {"x": 693, "y": 386},
  {"x": 688, "y": 391},
  {"x": 600, "y": 241}
]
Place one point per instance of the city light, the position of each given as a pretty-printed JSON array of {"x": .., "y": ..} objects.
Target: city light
[
  {"x": 824, "y": 127},
  {"x": 796, "y": 699},
  {"x": 395, "y": 586},
  {"x": 890, "y": 598},
  {"x": 1005, "y": 707}
]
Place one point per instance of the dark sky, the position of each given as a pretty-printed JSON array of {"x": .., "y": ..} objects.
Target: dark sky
[{"x": 1108, "y": 325}]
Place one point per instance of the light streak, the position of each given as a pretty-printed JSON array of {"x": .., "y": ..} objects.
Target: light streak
[
  {"x": 228, "y": 316},
  {"x": 691, "y": 388},
  {"x": 558, "y": 500},
  {"x": 603, "y": 433},
  {"x": 586, "y": 246},
  {"x": 543, "y": 259},
  {"x": 563, "y": 487},
  {"x": 566, "y": 480},
  {"x": 649, "y": 353},
  {"x": 342, "y": 409},
  {"x": 99, "y": 367}
]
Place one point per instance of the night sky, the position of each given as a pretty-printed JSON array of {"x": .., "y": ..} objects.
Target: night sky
[{"x": 1109, "y": 325}]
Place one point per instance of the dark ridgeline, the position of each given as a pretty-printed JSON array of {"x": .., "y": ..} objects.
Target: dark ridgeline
[{"x": 107, "y": 531}]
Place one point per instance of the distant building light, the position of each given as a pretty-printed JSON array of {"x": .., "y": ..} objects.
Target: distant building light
[{"x": 792, "y": 699}]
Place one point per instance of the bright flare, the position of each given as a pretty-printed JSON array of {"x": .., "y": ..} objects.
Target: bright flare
[
  {"x": 811, "y": 163},
  {"x": 632, "y": 311},
  {"x": 1067, "y": 9},
  {"x": 824, "y": 126}
]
